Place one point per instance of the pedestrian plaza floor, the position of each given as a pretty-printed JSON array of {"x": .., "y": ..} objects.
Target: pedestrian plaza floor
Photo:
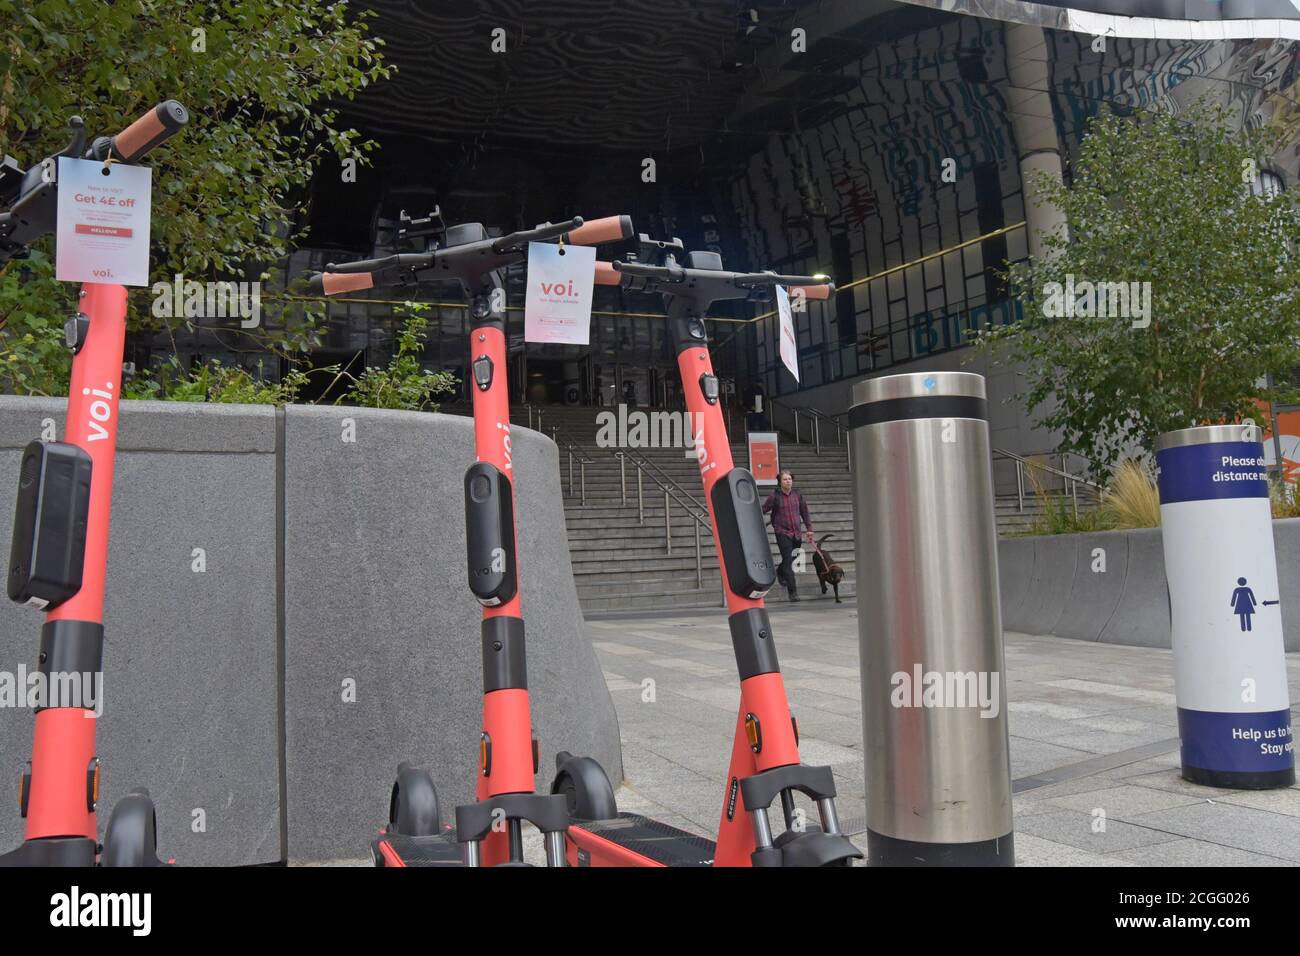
[{"x": 1093, "y": 735}]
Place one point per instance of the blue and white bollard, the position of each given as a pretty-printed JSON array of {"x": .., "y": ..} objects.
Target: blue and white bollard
[{"x": 1234, "y": 712}]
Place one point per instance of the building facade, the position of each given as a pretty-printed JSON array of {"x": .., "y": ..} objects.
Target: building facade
[{"x": 887, "y": 144}]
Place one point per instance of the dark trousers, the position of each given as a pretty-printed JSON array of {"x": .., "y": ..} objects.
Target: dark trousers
[{"x": 785, "y": 572}]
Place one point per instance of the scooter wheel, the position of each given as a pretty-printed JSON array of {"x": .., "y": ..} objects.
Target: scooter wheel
[
  {"x": 413, "y": 807},
  {"x": 585, "y": 787},
  {"x": 131, "y": 837}
]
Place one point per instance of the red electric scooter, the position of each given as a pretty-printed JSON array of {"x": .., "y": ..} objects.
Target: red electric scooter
[
  {"x": 765, "y": 755},
  {"x": 60, "y": 543},
  {"x": 489, "y": 831}
]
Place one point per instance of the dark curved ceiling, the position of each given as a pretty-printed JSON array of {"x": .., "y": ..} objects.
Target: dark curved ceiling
[
  {"x": 561, "y": 122},
  {"x": 574, "y": 72}
]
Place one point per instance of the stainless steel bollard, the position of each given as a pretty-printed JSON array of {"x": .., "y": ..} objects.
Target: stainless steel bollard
[{"x": 938, "y": 771}]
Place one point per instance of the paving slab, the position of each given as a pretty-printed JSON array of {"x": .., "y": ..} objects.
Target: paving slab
[{"x": 1075, "y": 710}]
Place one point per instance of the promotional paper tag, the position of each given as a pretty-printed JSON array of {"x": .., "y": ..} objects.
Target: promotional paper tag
[
  {"x": 558, "y": 305},
  {"x": 103, "y": 225},
  {"x": 789, "y": 345}
]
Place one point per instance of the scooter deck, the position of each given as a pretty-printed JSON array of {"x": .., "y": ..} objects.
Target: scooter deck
[
  {"x": 397, "y": 849},
  {"x": 660, "y": 843}
]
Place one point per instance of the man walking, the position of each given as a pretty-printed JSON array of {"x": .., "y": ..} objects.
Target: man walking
[{"x": 787, "y": 508}]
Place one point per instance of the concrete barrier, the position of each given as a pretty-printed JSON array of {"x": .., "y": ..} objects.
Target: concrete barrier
[
  {"x": 1015, "y": 566},
  {"x": 1141, "y": 616},
  {"x": 1128, "y": 603},
  {"x": 256, "y": 561},
  {"x": 382, "y": 651},
  {"x": 1286, "y": 541},
  {"x": 1050, "y": 581},
  {"x": 1101, "y": 562},
  {"x": 190, "y": 672}
]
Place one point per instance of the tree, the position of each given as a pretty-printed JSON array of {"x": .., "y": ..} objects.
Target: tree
[
  {"x": 1174, "y": 204},
  {"x": 258, "y": 78}
]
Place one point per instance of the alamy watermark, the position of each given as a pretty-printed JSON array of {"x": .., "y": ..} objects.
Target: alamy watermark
[
  {"x": 37, "y": 689},
  {"x": 77, "y": 909},
  {"x": 220, "y": 299},
  {"x": 922, "y": 688},
  {"x": 1098, "y": 300},
  {"x": 638, "y": 429}
]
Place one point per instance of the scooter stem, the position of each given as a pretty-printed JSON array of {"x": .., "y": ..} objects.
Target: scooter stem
[{"x": 62, "y": 797}]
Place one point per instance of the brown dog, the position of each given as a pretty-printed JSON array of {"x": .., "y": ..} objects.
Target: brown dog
[{"x": 828, "y": 572}]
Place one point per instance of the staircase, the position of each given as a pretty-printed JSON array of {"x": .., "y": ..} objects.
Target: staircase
[
  {"x": 621, "y": 555},
  {"x": 1012, "y": 521}
]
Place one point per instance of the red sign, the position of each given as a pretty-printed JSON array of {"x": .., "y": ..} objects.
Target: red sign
[
  {"x": 764, "y": 457},
  {"x": 85, "y": 229}
]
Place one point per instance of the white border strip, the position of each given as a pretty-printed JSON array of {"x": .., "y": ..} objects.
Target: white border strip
[
  {"x": 1105, "y": 24},
  {"x": 1146, "y": 28}
]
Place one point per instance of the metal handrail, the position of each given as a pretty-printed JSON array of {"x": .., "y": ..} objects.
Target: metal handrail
[
  {"x": 583, "y": 462},
  {"x": 817, "y": 416},
  {"x": 1068, "y": 480},
  {"x": 655, "y": 467},
  {"x": 672, "y": 491},
  {"x": 666, "y": 484}
]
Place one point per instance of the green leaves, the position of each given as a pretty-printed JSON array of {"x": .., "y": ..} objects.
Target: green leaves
[
  {"x": 257, "y": 94},
  {"x": 33, "y": 358},
  {"x": 1165, "y": 200},
  {"x": 404, "y": 383}
]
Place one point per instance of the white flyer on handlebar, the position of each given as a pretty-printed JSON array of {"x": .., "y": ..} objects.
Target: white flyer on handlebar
[
  {"x": 557, "y": 308},
  {"x": 789, "y": 345},
  {"x": 103, "y": 224}
]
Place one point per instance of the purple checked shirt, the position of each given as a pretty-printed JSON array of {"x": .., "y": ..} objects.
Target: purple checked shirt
[{"x": 786, "y": 510}]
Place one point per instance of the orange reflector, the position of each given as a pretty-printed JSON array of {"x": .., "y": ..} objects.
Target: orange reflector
[
  {"x": 92, "y": 785},
  {"x": 754, "y": 733},
  {"x": 485, "y": 753},
  {"x": 22, "y": 791}
]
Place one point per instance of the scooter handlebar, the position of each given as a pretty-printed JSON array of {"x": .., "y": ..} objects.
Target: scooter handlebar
[
  {"x": 332, "y": 283},
  {"x": 148, "y": 132},
  {"x": 518, "y": 240},
  {"x": 598, "y": 231},
  {"x": 745, "y": 279},
  {"x": 642, "y": 270},
  {"x": 813, "y": 287},
  {"x": 817, "y": 292},
  {"x": 365, "y": 273},
  {"x": 606, "y": 274}
]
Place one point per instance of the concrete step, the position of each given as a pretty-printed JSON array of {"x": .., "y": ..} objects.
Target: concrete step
[
  {"x": 621, "y": 562},
  {"x": 654, "y": 505},
  {"x": 655, "y": 580},
  {"x": 609, "y": 486},
  {"x": 589, "y": 564},
  {"x": 708, "y": 596},
  {"x": 609, "y": 533},
  {"x": 633, "y": 535}
]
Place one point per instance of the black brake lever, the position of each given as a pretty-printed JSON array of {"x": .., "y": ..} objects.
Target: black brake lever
[
  {"x": 78, "y": 144},
  {"x": 517, "y": 240}
]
